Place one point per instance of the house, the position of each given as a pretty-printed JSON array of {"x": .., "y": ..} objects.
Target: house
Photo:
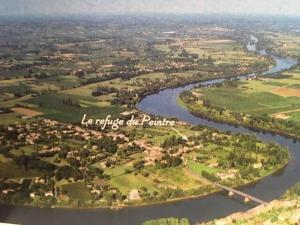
[
  {"x": 7, "y": 191},
  {"x": 32, "y": 195},
  {"x": 257, "y": 165},
  {"x": 134, "y": 195},
  {"x": 96, "y": 191},
  {"x": 229, "y": 174},
  {"x": 49, "y": 194}
]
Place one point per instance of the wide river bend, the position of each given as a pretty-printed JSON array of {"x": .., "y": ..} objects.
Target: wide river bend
[{"x": 207, "y": 208}]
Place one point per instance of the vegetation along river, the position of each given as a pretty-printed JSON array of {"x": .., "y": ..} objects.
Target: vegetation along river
[{"x": 164, "y": 103}]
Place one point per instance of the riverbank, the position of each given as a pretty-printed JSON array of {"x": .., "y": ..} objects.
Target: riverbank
[
  {"x": 277, "y": 212},
  {"x": 217, "y": 204},
  {"x": 118, "y": 207},
  {"x": 172, "y": 108},
  {"x": 199, "y": 105},
  {"x": 212, "y": 191},
  {"x": 283, "y": 211}
]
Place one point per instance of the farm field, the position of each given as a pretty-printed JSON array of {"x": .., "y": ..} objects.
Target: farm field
[
  {"x": 134, "y": 83},
  {"x": 279, "y": 98},
  {"x": 9, "y": 169},
  {"x": 52, "y": 106},
  {"x": 286, "y": 44},
  {"x": 49, "y": 80},
  {"x": 221, "y": 51},
  {"x": 77, "y": 191},
  {"x": 51, "y": 103}
]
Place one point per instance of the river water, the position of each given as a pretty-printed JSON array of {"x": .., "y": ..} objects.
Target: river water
[{"x": 214, "y": 206}]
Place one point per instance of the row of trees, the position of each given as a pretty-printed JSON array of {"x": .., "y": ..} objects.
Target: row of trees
[
  {"x": 167, "y": 221},
  {"x": 101, "y": 90}
]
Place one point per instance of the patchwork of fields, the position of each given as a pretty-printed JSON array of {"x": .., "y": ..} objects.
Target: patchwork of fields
[
  {"x": 277, "y": 97},
  {"x": 223, "y": 51},
  {"x": 47, "y": 101}
]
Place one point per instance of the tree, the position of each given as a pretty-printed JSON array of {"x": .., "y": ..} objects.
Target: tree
[
  {"x": 139, "y": 164},
  {"x": 172, "y": 141},
  {"x": 65, "y": 172},
  {"x": 108, "y": 144}
]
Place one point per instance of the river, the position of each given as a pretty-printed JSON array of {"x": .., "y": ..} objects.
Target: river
[{"x": 207, "y": 208}]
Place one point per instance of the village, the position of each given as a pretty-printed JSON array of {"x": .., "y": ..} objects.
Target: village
[
  {"x": 80, "y": 127},
  {"x": 64, "y": 164}
]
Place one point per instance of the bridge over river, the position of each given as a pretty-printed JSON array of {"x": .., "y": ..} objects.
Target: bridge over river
[
  {"x": 247, "y": 197},
  {"x": 231, "y": 191},
  {"x": 164, "y": 103}
]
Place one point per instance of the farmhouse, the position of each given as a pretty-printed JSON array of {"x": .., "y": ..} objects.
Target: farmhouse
[{"x": 134, "y": 195}]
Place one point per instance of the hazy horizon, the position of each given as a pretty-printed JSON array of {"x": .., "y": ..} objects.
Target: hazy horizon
[{"x": 108, "y": 7}]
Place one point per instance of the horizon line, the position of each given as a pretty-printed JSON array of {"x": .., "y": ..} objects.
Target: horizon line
[{"x": 152, "y": 14}]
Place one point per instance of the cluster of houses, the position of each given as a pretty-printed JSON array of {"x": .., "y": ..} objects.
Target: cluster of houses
[
  {"x": 142, "y": 69},
  {"x": 30, "y": 134}
]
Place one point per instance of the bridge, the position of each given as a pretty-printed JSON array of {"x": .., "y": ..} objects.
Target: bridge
[
  {"x": 247, "y": 197},
  {"x": 231, "y": 191}
]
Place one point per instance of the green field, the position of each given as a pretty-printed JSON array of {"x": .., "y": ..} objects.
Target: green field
[
  {"x": 53, "y": 108},
  {"x": 174, "y": 178},
  {"x": 200, "y": 167},
  {"x": 9, "y": 118},
  {"x": 287, "y": 44},
  {"x": 125, "y": 183},
  {"x": 276, "y": 97},
  {"x": 77, "y": 191},
  {"x": 222, "y": 51},
  {"x": 9, "y": 169}
]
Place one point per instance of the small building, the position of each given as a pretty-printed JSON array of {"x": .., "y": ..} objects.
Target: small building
[
  {"x": 257, "y": 165},
  {"x": 7, "y": 191},
  {"x": 229, "y": 174},
  {"x": 49, "y": 194},
  {"x": 134, "y": 195},
  {"x": 32, "y": 195}
]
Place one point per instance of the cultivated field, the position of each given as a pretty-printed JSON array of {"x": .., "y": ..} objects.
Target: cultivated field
[{"x": 277, "y": 97}]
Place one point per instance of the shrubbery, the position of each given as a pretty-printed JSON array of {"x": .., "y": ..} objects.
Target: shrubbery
[{"x": 168, "y": 221}]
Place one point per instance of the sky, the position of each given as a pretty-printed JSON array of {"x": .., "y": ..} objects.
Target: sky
[{"x": 51, "y": 7}]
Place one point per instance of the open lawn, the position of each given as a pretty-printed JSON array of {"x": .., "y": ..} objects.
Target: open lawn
[
  {"x": 157, "y": 135},
  {"x": 125, "y": 183},
  {"x": 116, "y": 171},
  {"x": 10, "y": 118},
  {"x": 200, "y": 167},
  {"x": 77, "y": 191},
  {"x": 8, "y": 169},
  {"x": 158, "y": 178},
  {"x": 176, "y": 177}
]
